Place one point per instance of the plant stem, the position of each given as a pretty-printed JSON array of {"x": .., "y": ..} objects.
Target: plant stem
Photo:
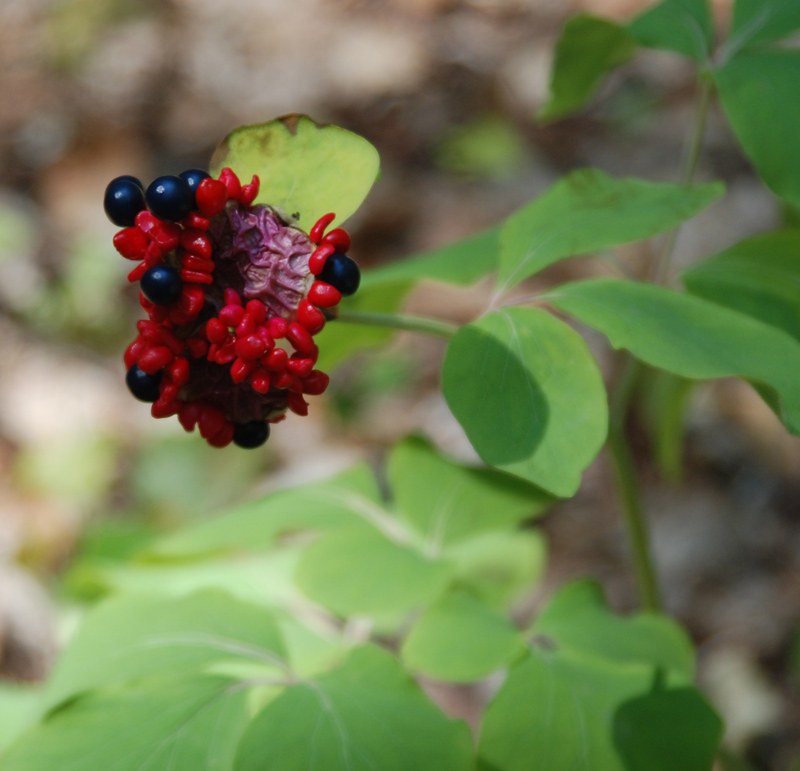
[
  {"x": 661, "y": 272},
  {"x": 400, "y": 321},
  {"x": 629, "y": 488}
]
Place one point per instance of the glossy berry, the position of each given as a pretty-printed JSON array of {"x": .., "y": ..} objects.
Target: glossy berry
[
  {"x": 342, "y": 272},
  {"x": 193, "y": 177},
  {"x": 124, "y": 199},
  {"x": 169, "y": 198},
  {"x": 252, "y": 434},
  {"x": 143, "y": 386},
  {"x": 162, "y": 285}
]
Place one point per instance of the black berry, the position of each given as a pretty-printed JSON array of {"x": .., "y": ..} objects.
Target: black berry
[
  {"x": 161, "y": 284},
  {"x": 193, "y": 177},
  {"x": 169, "y": 198},
  {"x": 124, "y": 199},
  {"x": 252, "y": 434},
  {"x": 342, "y": 272},
  {"x": 143, "y": 386}
]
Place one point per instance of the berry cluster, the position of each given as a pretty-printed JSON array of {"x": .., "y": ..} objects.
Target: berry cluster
[{"x": 223, "y": 280}]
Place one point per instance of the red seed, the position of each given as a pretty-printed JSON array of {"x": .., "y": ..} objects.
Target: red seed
[
  {"x": 179, "y": 371},
  {"x": 192, "y": 299},
  {"x": 227, "y": 352},
  {"x": 213, "y": 350},
  {"x": 150, "y": 331},
  {"x": 231, "y": 315},
  {"x": 231, "y": 182},
  {"x": 197, "y": 242},
  {"x": 241, "y": 369},
  {"x": 197, "y": 347},
  {"x": 163, "y": 408},
  {"x": 250, "y": 348},
  {"x": 177, "y": 316},
  {"x": 297, "y": 404},
  {"x": 276, "y": 360},
  {"x": 300, "y": 337},
  {"x": 169, "y": 391},
  {"x": 188, "y": 414},
  {"x": 196, "y": 277},
  {"x": 257, "y": 310},
  {"x": 315, "y": 235},
  {"x": 296, "y": 386},
  {"x": 133, "y": 352},
  {"x": 324, "y": 295},
  {"x": 339, "y": 238},
  {"x": 155, "y": 359},
  {"x": 192, "y": 262},
  {"x": 158, "y": 313},
  {"x": 249, "y": 192},
  {"x": 284, "y": 380},
  {"x": 146, "y": 221},
  {"x": 175, "y": 344},
  {"x": 216, "y": 331},
  {"x": 137, "y": 272},
  {"x": 167, "y": 235},
  {"x": 300, "y": 366},
  {"x": 153, "y": 255},
  {"x": 313, "y": 354},
  {"x": 264, "y": 334},
  {"x": 232, "y": 297},
  {"x": 223, "y": 437},
  {"x": 211, "y": 197},
  {"x": 131, "y": 243},
  {"x": 318, "y": 258},
  {"x": 315, "y": 383},
  {"x": 195, "y": 220},
  {"x": 311, "y": 317},
  {"x": 247, "y": 326},
  {"x": 210, "y": 421},
  {"x": 277, "y": 327},
  {"x": 259, "y": 380}
]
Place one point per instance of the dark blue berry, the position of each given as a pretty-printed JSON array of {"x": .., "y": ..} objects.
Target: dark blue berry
[
  {"x": 143, "y": 386},
  {"x": 124, "y": 199},
  {"x": 169, "y": 198},
  {"x": 342, "y": 272},
  {"x": 193, "y": 177},
  {"x": 161, "y": 284},
  {"x": 252, "y": 434}
]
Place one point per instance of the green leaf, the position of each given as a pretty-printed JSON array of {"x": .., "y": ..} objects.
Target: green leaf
[
  {"x": 368, "y": 715},
  {"x": 758, "y": 90},
  {"x": 688, "y": 336},
  {"x": 447, "y": 503},
  {"x": 498, "y": 568},
  {"x": 147, "y": 726},
  {"x": 667, "y": 729},
  {"x": 586, "y": 211},
  {"x": 760, "y": 21},
  {"x": 20, "y": 707},
  {"x": 305, "y": 168},
  {"x": 684, "y": 26},
  {"x": 136, "y": 636},
  {"x": 340, "y": 340},
  {"x": 588, "y": 49},
  {"x": 255, "y": 525},
  {"x": 460, "y": 640},
  {"x": 759, "y": 277},
  {"x": 584, "y": 664},
  {"x": 364, "y": 572},
  {"x": 578, "y": 619},
  {"x": 461, "y": 262},
  {"x": 529, "y": 395}
]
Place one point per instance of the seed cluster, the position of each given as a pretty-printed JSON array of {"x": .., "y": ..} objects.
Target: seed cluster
[{"x": 223, "y": 280}]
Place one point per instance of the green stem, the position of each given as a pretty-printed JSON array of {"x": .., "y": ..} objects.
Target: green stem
[
  {"x": 629, "y": 488},
  {"x": 400, "y": 321}
]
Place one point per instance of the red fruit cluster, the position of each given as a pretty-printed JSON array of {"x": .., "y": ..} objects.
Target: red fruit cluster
[{"x": 216, "y": 349}]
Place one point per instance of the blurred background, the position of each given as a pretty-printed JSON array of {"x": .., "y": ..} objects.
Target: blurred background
[{"x": 447, "y": 91}]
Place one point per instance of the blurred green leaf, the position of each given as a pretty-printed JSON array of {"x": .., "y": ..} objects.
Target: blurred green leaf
[
  {"x": 136, "y": 636},
  {"x": 759, "y": 276},
  {"x": 667, "y": 729},
  {"x": 760, "y": 21},
  {"x": 340, "y": 340},
  {"x": 461, "y": 262},
  {"x": 20, "y": 708},
  {"x": 529, "y": 395},
  {"x": 306, "y": 168},
  {"x": 688, "y": 336},
  {"x": 586, "y": 211},
  {"x": 758, "y": 90},
  {"x": 255, "y": 525},
  {"x": 177, "y": 723},
  {"x": 588, "y": 49},
  {"x": 368, "y": 714},
  {"x": 446, "y": 502},
  {"x": 364, "y": 572},
  {"x": 459, "y": 640},
  {"x": 487, "y": 147},
  {"x": 684, "y": 26}
]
